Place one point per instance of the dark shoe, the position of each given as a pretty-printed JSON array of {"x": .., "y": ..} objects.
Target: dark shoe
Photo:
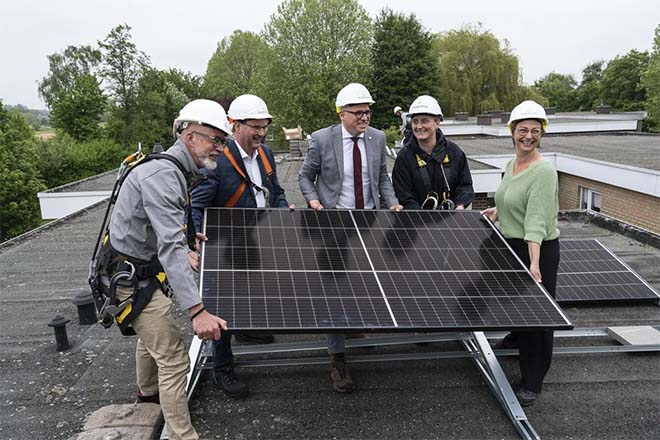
[
  {"x": 526, "y": 397},
  {"x": 254, "y": 338},
  {"x": 141, "y": 398},
  {"x": 230, "y": 383},
  {"x": 341, "y": 377}
]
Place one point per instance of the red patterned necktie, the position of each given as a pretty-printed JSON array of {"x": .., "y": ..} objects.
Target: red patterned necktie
[{"x": 357, "y": 175}]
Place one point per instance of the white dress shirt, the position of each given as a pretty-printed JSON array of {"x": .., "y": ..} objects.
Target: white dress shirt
[
  {"x": 347, "y": 194},
  {"x": 252, "y": 168}
]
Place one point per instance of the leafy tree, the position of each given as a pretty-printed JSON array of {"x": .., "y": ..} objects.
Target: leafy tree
[
  {"x": 559, "y": 89},
  {"x": 63, "y": 160},
  {"x": 73, "y": 92},
  {"x": 232, "y": 69},
  {"x": 78, "y": 111},
  {"x": 63, "y": 70},
  {"x": 476, "y": 73},
  {"x": 651, "y": 81},
  {"x": 160, "y": 96},
  {"x": 622, "y": 86},
  {"x": 122, "y": 68},
  {"x": 318, "y": 46},
  {"x": 19, "y": 178},
  {"x": 588, "y": 94},
  {"x": 403, "y": 65}
]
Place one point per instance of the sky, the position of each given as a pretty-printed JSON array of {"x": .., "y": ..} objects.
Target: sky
[{"x": 561, "y": 35}]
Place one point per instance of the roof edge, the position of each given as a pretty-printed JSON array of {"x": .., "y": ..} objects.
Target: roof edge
[
  {"x": 615, "y": 225},
  {"x": 36, "y": 231}
]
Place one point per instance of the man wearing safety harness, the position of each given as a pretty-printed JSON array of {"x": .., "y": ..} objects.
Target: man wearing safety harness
[
  {"x": 431, "y": 172},
  {"x": 245, "y": 177},
  {"x": 148, "y": 229},
  {"x": 346, "y": 168}
]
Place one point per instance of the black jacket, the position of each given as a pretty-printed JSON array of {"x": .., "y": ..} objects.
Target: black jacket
[{"x": 407, "y": 176}]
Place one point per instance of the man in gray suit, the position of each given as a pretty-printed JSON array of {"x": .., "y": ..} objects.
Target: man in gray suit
[{"x": 346, "y": 168}]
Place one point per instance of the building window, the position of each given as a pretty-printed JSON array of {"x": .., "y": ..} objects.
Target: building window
[{"x": 590, "y": 199}]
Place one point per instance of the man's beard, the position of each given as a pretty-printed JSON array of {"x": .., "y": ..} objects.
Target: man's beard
[{"x": 208, "y": 163}]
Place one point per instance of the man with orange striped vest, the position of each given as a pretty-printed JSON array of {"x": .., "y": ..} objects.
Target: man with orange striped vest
[{"x": 245, "y": 177}]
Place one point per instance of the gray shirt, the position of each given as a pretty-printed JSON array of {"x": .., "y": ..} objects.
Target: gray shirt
[{"x": 149, "y": 219}]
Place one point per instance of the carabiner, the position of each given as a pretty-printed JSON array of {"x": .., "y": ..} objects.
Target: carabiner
[{"x": 432, "y": 199}]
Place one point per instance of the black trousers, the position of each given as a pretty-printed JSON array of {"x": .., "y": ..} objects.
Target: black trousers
[{"x": 536, "y": 347}]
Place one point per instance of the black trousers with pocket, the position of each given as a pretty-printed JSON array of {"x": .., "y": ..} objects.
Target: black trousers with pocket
[{"x": 535, "y": 347}]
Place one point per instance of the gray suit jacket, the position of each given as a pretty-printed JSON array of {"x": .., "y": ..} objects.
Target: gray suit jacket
[{"x": 320, "y": 177}]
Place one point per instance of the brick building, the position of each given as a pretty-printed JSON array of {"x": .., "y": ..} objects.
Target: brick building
[{"x": 615, "y": 174}]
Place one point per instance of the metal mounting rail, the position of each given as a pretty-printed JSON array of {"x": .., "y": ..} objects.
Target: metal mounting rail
[{"x": 476, "y": 345}]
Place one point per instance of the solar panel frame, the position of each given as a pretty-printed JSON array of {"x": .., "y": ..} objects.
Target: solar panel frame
[
  {"x": 589, "y": 272},
  {"x": 368, "y": 308}
]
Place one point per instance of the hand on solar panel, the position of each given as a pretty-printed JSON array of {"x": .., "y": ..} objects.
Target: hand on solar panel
[
  {"x": 396, "y": 208},
  {"x": 315, "y": 204},
  {"x": 193, "y": 259},
  {"x": 491, "y": 213},
  {"x": 205, "y": 325},
  {"x": 536, "y": 272},
  {"x": 199, "y": 237}
]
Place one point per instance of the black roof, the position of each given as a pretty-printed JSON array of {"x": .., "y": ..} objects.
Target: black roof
[{"x": 46, "y": 394}]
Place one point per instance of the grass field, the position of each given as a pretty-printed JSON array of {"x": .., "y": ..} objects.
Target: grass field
[{"x": 45, "y": 134}]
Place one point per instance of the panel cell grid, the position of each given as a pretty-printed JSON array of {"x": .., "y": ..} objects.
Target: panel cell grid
[
  {"x": 589, "y": 272},
  {"x": 369, "y": 270}
]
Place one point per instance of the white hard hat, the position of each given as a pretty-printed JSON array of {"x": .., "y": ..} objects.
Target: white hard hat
[
  {"x": 354, "y": 93},
  {"x": 203, "y": 112},
  {"x": 248, "y": 107},
  {"x": 397, "y": 109},
  {"x": 425, "y": 105},
  {"x": 528, "y": 110}
]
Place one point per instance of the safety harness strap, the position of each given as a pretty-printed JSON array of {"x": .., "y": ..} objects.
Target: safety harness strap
[
  {"x": 241, "y": 188},
  {"x": 426, "y": 178}
]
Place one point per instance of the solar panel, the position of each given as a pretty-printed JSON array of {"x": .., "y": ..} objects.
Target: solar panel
[
  {"x": 588, "y": 271},
  {"x": 368, "y": 270}
]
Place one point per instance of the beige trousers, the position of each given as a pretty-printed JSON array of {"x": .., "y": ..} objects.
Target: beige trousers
[{"x": 162, "y": 363}]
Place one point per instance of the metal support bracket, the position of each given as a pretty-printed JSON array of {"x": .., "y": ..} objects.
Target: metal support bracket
[{"x": 476, "y": 345}]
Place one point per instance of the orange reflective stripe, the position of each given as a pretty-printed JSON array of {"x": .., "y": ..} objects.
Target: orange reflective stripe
[
  {"x": 264, "y": 160},
  {"x": 233, "y": 163},
  {"x": 237, "y": 195},
  {"x": 241, "y": 188}
]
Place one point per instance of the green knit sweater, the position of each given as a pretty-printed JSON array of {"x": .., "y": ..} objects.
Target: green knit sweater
[{"x": 527, "y": 204}]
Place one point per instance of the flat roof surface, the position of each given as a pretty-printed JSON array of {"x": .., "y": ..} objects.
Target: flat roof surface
[
  {"x": 46, "y": 394},
  {"x": 639, "y": 150}
]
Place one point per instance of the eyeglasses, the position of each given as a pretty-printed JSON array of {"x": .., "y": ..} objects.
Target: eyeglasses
[
  {"x": 522, "y": 131},
  {"x": 256, "y": 127},
  {"x": 215, "y": 140},
  {"x": 360, "y": 114}
]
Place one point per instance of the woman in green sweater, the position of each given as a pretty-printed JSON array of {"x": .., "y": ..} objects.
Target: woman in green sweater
[{"x": 526, "y": 205}]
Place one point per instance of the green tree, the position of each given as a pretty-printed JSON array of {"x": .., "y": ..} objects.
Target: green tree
[
  {"x": 318, "y": 46},
  {"x": 63, "y": 70},
  {"x": 403, "y": 65},
  {"x": 63, "y": 160},
  {"x": 588, "y": 93},
  {"x": 19, "y": 177},
  {"x": 123, "y": 65},
  {"x": 232, "y": 69},
  {"x": 78, "y": 111},
  {"x": 476, "y": 72},
  {"x": 559, "y": 89},
  {"x": 622, "y": 86},
  {"x": 651, "y": 81},
  {"x": 73, "y": 92},
  {"x": 160, "y": 96}
]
